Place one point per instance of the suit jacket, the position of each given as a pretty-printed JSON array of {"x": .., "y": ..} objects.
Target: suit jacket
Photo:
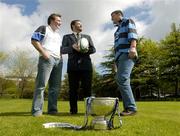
[{"x": 77, "y": 60}]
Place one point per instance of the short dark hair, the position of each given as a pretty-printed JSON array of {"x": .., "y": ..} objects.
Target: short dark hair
[
  {"x": 117, "y": 12},
  {"x": 52, "y": 17},
  {"x": 73, "y": 23}
]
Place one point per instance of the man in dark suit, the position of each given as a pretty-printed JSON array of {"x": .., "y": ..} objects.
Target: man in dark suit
[{"x": 79, "y": 67}]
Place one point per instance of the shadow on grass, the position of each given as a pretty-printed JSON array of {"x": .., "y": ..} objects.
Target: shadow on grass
[
  {"x": 64, "y": 114},
  {"x": 15, "y": 113},
  {"x": 45, "y": 113}
]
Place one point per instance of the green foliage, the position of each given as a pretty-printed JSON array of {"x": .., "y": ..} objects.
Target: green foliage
[
  {"x": 7, "y": 87},
  {"x": 96, "y": 81},
  {"x": 170, "y": 63},
  {"x": 64, "y": 91},
  {"x": 108, "y": 84},
  {"x": 28, "y": 89},
  {"x": 10, "y": 93},
  {"x": 10, "y": 88},
  {"x": 22, "y": 67},
  {"x": 3, "y": 56},
  {"x": 145, "y": 78},
  {"x": 22, "y": 64}
]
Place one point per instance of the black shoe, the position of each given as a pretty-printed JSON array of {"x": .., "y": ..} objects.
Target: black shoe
[
  {"x": 73, "y": 112},
  {"x": 128, "y": 113},
  {"x": 52, "y": 112}
]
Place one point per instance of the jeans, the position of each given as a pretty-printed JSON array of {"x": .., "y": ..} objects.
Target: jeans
[
  {"x": 49, "y": 71},
  {"x": 124, "y": 68}
]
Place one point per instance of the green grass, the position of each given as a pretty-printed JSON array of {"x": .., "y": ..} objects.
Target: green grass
[{"x": 153, "y": 119}]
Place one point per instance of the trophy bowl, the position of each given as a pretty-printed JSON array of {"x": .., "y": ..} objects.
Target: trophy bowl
[{"x": 100, "y": 108}]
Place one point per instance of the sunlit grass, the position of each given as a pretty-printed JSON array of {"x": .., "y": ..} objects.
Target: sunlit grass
[{"x": 153, "y": 119}]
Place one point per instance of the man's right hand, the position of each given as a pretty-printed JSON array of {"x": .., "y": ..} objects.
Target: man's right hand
[
  {"x": 45, "y": 55},
  {"x": 39, "y": 48},
  {"x": 76, "y": 47}
]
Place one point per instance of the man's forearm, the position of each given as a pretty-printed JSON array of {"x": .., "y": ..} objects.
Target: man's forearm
[
  {"x": 133, "y": 46},
  {"x": 38, "y": 47}
]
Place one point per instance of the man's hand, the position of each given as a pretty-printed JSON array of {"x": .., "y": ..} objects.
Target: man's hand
[
  {"x": 132, "y": 53},
  {"x": 76, "y": 47},
  {"x": 39, "y": 48},
  {"x": 45, "y": 55}
]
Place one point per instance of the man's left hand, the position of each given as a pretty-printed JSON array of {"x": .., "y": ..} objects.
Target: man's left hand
[{"x": 132, "y": 53}]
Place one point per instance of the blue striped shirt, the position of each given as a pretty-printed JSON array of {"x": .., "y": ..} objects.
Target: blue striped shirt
[{"x": 125, "y": 33}]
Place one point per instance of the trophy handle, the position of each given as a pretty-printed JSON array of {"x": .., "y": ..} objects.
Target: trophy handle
[
  {"x": 116, "y": 109},
  {"x": 87, "y": 112}
]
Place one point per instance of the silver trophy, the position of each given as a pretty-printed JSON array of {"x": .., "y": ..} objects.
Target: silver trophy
[{"x": 103, "y": 110}]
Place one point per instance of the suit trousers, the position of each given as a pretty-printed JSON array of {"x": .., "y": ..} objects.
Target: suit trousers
[{"x": 77, "y": 78}]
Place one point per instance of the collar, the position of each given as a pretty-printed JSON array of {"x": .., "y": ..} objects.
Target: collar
[
  {"x": 75, "y": 33},
  {"x": 120, "y": 22},
  {"x": 51, "y": 29}
]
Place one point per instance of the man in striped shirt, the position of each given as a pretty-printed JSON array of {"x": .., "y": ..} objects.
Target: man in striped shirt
[{"x": 125, "y": 39}]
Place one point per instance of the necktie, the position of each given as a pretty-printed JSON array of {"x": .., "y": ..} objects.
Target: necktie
[{"x": 78, "y": 38}]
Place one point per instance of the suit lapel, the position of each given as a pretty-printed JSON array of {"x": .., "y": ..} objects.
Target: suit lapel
[
  {"x": 73, "y": 38},
  {"x": 82, "y": 35}
]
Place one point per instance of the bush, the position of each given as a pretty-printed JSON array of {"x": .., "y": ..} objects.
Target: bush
[
  {"x": 10, "y": 93},
  {"x": 28, "y": 93}
]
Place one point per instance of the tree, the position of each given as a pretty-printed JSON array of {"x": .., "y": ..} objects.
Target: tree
[
  {"x": 3, "y": 81},
  {"x": 108, "y": 82},
  {"x": 7, "y": 88},
  {"x": 22, "y": 67},
  {"x": 3, "y": 56},
  {"x": 171, "y": 58},
  {"x": 96, "y": 83},
  {"x": 64, "y": 92},
  {"x": 145, "y": 74}
]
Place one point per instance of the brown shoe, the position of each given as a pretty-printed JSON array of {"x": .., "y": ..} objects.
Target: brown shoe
[{"x": 128, "y": 113}]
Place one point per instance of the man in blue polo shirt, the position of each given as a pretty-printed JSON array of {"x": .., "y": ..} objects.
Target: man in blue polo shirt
[
  {"x": 125, "y": 39},
  {"x": 47, "y": 41}
]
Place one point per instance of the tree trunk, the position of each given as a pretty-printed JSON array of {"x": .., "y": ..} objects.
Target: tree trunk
[
  {"x": 23, "y": 82},
  {"x": 176, "y": 87}
]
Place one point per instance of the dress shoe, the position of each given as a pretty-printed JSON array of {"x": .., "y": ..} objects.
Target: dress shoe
[
  {"x": 73, "y": 112},
  {"x": 128, "y": 113},
  {"x": 52, "y": 112}
]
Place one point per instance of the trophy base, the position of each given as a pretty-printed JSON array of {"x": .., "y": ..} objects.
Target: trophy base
[{"x": 99, "y": 123}]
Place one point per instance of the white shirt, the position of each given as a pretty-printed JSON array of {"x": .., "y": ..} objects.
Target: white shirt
[{"x": 52, "y": 42}]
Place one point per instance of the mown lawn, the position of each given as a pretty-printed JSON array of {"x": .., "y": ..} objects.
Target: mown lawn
[{"x": 153, "y": 119}]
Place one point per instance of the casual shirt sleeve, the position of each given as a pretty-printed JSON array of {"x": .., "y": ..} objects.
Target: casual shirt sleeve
[
  {"x": 132, "y": 32},
  {"x": 39, "y": 34}
]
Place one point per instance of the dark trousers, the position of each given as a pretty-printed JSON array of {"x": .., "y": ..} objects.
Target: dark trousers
[{"x": 77, "y": 78}]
